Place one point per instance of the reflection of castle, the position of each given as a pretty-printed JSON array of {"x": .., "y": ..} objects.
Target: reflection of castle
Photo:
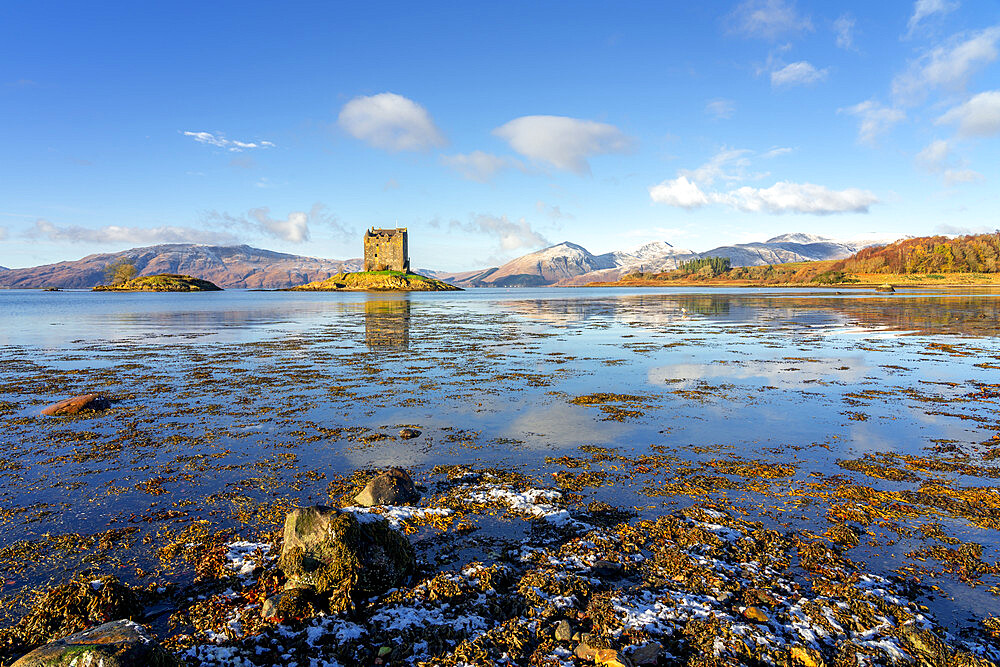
[
  {"x": 387, "y": 323},
  {"x": 385, "y": 250}
]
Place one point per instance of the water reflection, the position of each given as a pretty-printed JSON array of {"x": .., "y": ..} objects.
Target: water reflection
[{"x": 387, "y": 322}]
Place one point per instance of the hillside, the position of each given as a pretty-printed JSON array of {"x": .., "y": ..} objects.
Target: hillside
[
  {"x": 933, "y": 254},
  {"x": 226, "y": 266}
]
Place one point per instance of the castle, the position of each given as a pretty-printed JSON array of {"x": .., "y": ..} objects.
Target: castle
[{"x": 386, "y": 250}]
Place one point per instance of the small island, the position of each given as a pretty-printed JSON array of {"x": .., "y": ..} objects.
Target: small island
[
  {"x": 163, "y": 282},
  {"x": 386, "y": 269},
  {"x": 377, "y": 281}
]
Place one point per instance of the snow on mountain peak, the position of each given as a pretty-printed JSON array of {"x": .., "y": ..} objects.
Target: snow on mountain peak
[{"x": 798, "y": 237}]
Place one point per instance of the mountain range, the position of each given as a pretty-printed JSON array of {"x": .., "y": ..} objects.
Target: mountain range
[
  {"x": 562, "y": 264},
  {"x": 226, "y": 266},
  {"x": 567, "y": 263}
]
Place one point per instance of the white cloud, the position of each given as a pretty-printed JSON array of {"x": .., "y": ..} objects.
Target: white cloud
[
  {"x": 844, "y": 29},
  {"x": 876, "y": 119},
  {"x": 924, "y": 8},
  {"x": 721, "y": 108},
  {"x": 797, "y": 74},
  {"x": 953, "y": 176},
  {"x": 564, "y": 143},
  {"x": 390, "y": 122},
  {"x": 948, "y": 66},
  {"x": 782, "y": 197},
  {"x": 678, "y": 192},
  {"x": 294, "y": 228},
  {"x": 220, "y": 141},
  {"x": 510, "y": 235},
  {"x": 120, "y": 234},
  {"x": 768, "y": 19},
  {"x": 978, "y": 117},
  {"x": 3, "y": 233},
  {"x": 934, "y": 156},
  {"x": 480, "y": 166},
  {"x": 785, "y": 197}
]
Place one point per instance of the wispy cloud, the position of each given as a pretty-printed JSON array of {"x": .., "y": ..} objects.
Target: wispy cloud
[
  {"x": 948, "y": 66},
  {"x": 294, "y": 228},
  {"x": 480, "y": 166},
  {"x": 562, "y": 142},
  {"x": 924, "y": 8},
  {"x": 956, "y": 176},
  {"x": 220, "y": 141},
  {"x": 843, "y": 28},
  {"x": 797, "y": 74},
  {"x": 768, "y": 19},
  {"x": 390, "y": 122},
  {"x": 978, "y": 117},
  {"x": 552, "y": 211},
  {"x": 43, "y": 229},
  {"x": 720, "y": 108},
  {"x": 937, "y": 158},
  {"x": 3, "y": 233},
  {"x": 510, "y": 235},
  {"x": 728, "y": 164},
  {"x": 875, "y": 119}
]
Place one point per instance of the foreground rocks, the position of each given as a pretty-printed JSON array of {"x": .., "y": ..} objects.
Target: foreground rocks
[
  {"x": 393, "y": 487},
  {"x": 121, "y": 643},
  {"x": 340, "y": 558},
  {"x": 163, "y": 282},
  {"x": 77, "y": 405}
]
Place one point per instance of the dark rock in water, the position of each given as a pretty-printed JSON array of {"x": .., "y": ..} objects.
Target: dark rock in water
[
  {"x": 77, "y": 405},
  {"x": 885, "y": 287},
  {"x": 393, "y": 487},
  {"x": 408, "y": 433},
  {"x": 343, "y": 559},
  {"x": 121, "y": 643}
]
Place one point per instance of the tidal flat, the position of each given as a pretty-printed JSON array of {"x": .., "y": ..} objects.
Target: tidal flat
[{"x": 681, "y": 476}]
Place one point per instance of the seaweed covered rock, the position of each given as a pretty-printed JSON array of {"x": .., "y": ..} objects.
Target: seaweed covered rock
[
  {"x": 120, "y": 643},
  {"x": 77, "y": 405},
  {"x": 393, "y": 487},
  {"x": 82, "y": 603},
  {"x": 341, "y": 558}
]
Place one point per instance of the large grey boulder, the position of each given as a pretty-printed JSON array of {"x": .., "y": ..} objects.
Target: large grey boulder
[
  {"x": 393, "y": 487},
  {"x": 341, "y": 558}
]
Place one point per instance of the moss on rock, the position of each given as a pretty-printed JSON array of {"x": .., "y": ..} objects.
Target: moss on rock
[
  {"x": 163, "y": 282},
  {"x": 377, "y": 281}
]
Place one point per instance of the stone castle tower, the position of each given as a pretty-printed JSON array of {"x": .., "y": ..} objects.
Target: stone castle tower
[{"x": 386, "y": 250}]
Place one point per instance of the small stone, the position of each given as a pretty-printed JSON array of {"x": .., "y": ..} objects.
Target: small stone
[
  {"x": 585, "y": 651},
  {"x": 610, "y": 658},
  {"x": 755, "y": 614},
  {"x": 607, "y": 569},
  {"x": 408, "y": 433},
  {"x": 647, "y": 654},
  {"x": 119, "y": 643},
  {"x": 564, "y": 632},
  {"x": 393, "y": 487},
  {"x": 723, "y": 597},
  {"x": 806, "y": 657},
  {"x": 78, "y": 405},
  {"x": 384, "y": 651},
  {"x": 269, "y": 610}
]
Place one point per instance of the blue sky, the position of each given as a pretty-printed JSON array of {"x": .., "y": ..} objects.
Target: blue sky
[{"x": 492, "y": 129}]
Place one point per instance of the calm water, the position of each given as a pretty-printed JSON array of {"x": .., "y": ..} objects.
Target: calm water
[{"x": 233, "y": 395}]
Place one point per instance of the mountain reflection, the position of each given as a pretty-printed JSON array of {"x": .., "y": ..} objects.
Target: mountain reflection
[{"x": 387, "y": 322}]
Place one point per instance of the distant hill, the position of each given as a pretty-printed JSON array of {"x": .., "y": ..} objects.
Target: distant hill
[
  {"x": 931, "y": 254},
  {"x": 226, "y": 266}
]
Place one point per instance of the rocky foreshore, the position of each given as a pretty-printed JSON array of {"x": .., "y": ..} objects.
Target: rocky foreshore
[{"x": 584, "y": 584}]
